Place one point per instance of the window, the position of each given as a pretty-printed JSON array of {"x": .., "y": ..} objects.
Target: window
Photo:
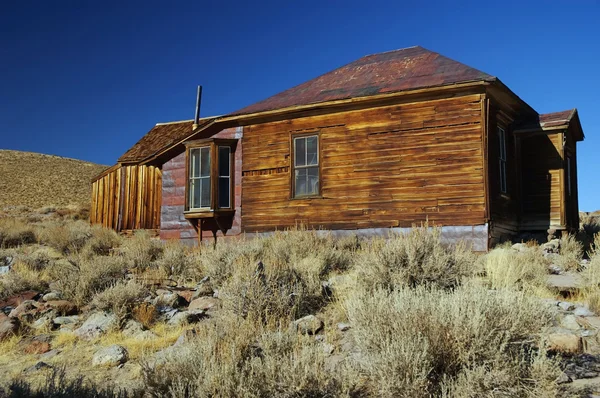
[
  {"x": 199, "y": 184},
  {"x": 502, "y": 159},
  {"x": 209, "y": 175},
  {"x": 306, "y": 166}
]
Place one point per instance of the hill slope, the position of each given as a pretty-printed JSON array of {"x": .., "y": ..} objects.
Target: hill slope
[{"x": 36, "y": 180}]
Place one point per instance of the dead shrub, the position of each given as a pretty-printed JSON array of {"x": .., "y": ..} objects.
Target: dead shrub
[
  {"x": 66, "y": 237},
  {"x": 412, "y": 259},
  {"x": 176, "y": 261},
  {"x": 145, "y": 313},
  {"x": 14, "y": 233},
  {"x": 102, "y": 241},
  {"x": 21, "y": 278},
  {"x": 244, "y": 358},
  {"x": 141, "y": 250},
  {"x": 120, "y": 298},
  {"x": 412, "y": 342},
  {"x": 85, "y": 277}
]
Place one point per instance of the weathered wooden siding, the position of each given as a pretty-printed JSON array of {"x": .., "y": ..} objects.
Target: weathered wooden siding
[
  {"x": 542, "y": 183},
  {"x": 173, "y": 224},
  {"x": 383, "y": 167},
  {"x": 504, "y": 206},
  {"x": 571, "y": 201},
  {"x": 127, "y": 198}
]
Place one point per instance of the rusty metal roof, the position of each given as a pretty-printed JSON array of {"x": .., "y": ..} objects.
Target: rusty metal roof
[
  {"x": 161, "y": 136},
  {"x": 388, "y": 72},
  {"x": 556, "y": 118}
]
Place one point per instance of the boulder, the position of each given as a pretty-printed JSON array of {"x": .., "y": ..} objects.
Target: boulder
[
  {"x": 168, "y": 299},
  {"x": 186, "y": 317},
  {"x": 136, "y": 330},
  {"x": 206, "y": 303},
  {"x": 23, "y": 308},
  {"x": 583, "y": 311},
  {"x": 570, "y": 322},
  {"x": 96, "y": 325},
  {"x": 110, "y": 356},
  {"x": 52, "y": 296},
  {"x": 14, "y": 301},
  {"x": 44, "y": 322},
  {"x": 37, "y": 347},
  {"x": 552, "y": 247},
  {"x": 310, "y": 324},
  {"x": 66, "y": 320},
  {"x": 62, "y": 307},
  {"x": 185, "y": 295},
  {"x": 564, "y": 343},
  {"x": 203, "y": 289},
  {"x": 9, "y": 327},
  {"x": 566, "y": 306},
  {"x": 520, "y": 247},
  {"x": 343, "y": 327}
]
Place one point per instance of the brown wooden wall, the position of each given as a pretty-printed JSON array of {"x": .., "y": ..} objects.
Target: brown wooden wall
[
  {"x": 381, "y": 167},
  {"x": 127, "y": 198},
  {"x": 542, "y": 181},
  {"x": 504, "y": 206}
]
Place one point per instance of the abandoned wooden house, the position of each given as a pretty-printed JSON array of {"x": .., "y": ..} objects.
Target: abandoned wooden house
[{"x": 380, "y": 144}]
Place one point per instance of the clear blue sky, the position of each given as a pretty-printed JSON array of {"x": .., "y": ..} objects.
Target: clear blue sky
[{"x": 87, "y": 79}]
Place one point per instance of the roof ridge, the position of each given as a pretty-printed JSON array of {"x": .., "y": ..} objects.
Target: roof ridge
[
  {"x": 398, "y": 49},
  {"x": 187, "y": 120}
]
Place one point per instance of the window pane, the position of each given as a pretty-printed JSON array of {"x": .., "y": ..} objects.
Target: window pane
[
  {"x": 300, "y": 151},
  {"x": 312, "y": 150},
  {"x": 224, "y": 161},
  {"x": 194, "y": 194},
  {"x": 204, "y": 162},
  {"x": 224, "y": 187},
  {"x": 301, "y": 183},
  {"x": 195, "y": 162},
  {"x": 205, "y": 192},
  {"x": 313, "y": 181}
]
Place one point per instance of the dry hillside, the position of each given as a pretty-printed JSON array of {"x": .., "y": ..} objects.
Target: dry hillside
[{"x": 36, "y": 180}]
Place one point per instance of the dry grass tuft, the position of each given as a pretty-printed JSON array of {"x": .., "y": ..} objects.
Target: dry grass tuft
[
  {"x": 14, "y": 233},
  {"x": 145, "y": 313},
  {"x": 571, "y": 253},
  {"x": 507, "y": 268}
]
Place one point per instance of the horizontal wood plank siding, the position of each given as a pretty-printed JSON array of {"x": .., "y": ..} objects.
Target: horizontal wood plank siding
[
  {"x": 382, "y": 167},
  {"x": 124, "y": 199}
]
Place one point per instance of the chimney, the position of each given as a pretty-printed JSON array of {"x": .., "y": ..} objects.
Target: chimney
[{"x": 197, "y": 114}]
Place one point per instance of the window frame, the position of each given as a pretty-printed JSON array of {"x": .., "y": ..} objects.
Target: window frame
[
  {"x": 213, "y": 144},
  {"x": 293, "y": 138},
  {"x": 502, "y": 159}
]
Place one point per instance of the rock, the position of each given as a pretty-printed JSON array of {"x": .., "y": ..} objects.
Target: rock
[
  {"x": 203, "y": 289},
  {"x": 583, "y": 311},
  {"x": 23, "y": 308},
  {"x": 37, "y": 347},
  {"x": 564, "y": 343},
  {"x": 14, "y": 301},
  {"x": 96, "y": 325},
  {"x": 520, "y": 247},
  {"x": 343, "y": 327},
  {"x": 38, "y": 366},
  {"x": 6, "y": 262},
  {"x": 137, "y": 330},
  {"x": 63, "y": 307},
  {"x": 168, "y": 299},
  {"x": 110, "y": 356},
  {"x": 566, "y": 282},
  {"x": 186, "y": 317},
  {"x": 44, "y": 322},
  {"x": 185, "y": 295},
  {"x": 563, "y": 379},
  {"x": 555, "y": 269},
  {"x": 9, "y": 327},
  {"x": 52, "y": 296},
  {"x": 4, "y": 269},
  {"x": 565, "y": 305},
  {"x": 50, "y": 354},
  {"x": 570, "y": 322},
  {"x": 205, "y": 303},
  {"x": 310, "y": 324},
  {"x": 66, "y": 320},
  {"x": 552, "y": 247}
]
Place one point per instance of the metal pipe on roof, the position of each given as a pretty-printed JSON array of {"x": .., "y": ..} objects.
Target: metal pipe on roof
[{"x": 198, "y": 103}]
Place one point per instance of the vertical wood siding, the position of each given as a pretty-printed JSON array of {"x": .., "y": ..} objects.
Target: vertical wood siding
[
  {"x": 382, "y": 167},
  {"x": 126, "y": 198}
]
